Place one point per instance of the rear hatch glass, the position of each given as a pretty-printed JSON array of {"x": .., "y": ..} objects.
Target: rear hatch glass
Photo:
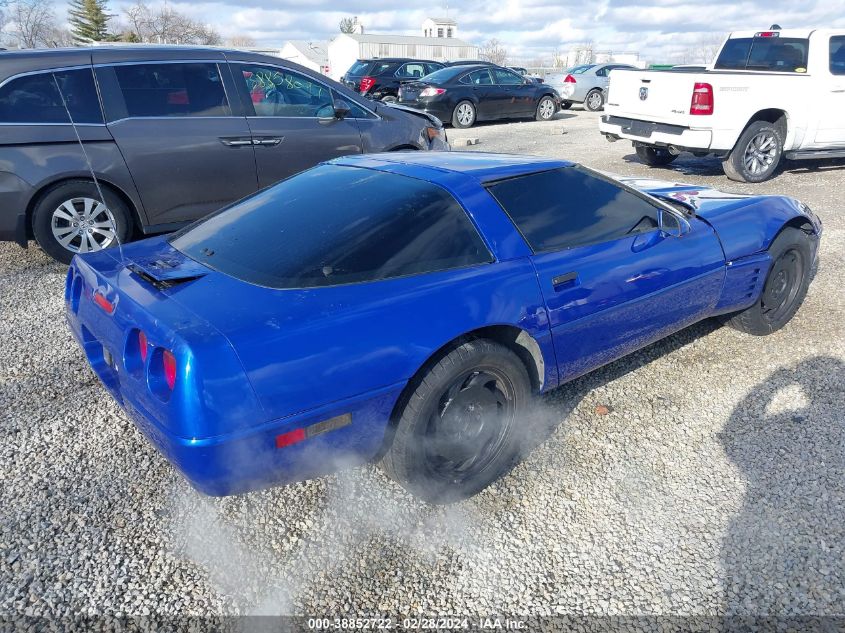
[{"x": 774, "y": 54}]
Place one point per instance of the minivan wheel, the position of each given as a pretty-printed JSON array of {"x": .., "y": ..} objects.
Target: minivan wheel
[
  {"x": 756, "y": 155},
  {"x": 70, "y": 218},
  {"x": 464, "y": 115},
  {"x": 594, "y": 101},
  {"x": 458, "y": 432}
]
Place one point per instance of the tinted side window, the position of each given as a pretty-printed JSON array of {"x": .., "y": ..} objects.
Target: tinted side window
[
  {"x": 507, "y": 78},
  {"x": 601, "y": 72},
  {"x": 572, "y": 207},
  {"x": 335, "y": 225},
  {"x": 36, "y": 98},
  {"x": 480, "y": 78},
  {"x": 355, "y": 110},
  {"x": 172, "y": 90},
  {"x": 837, "y": 55},
  {"x": 430, "y": 68},
  {"x": 414, "y": 69},
  {"x": 276, "y": 91}
]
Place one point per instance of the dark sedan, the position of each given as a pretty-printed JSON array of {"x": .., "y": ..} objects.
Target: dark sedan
[{"x": 463, "y": 95}]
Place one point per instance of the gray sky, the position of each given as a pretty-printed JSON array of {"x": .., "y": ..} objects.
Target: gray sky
[{"x": 658, "y": 29}]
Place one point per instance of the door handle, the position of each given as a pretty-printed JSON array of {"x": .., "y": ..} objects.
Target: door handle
[
  {"x": 567, "y": 280},
  {"x": 235, "y": 142}
]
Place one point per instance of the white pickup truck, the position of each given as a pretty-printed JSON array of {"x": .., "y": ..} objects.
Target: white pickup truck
[{"x": 768, "y": 95}]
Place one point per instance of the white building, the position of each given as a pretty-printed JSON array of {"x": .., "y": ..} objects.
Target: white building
[
  {"x": 313, "y": 55},
  {"x": 439, "y": 27},
  {"x": 344, "y": 49}
]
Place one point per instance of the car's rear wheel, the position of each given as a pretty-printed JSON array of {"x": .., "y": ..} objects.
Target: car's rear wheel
[
  {"x": 458, "y": 431},
  {"x": 594, "y": 101},
  {"x": 464, "y": 115},
  {"x": 756, "y": 155},
  {"x": 655, "y": 156},
  {"x": 71, "y": 218},
  {"x": 388, "y": 99},
  {"x": 785, "y": 287},
  {"x": 545, "y": 109}
]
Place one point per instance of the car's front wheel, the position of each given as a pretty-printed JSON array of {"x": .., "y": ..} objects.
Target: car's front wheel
[
  {"x": 464, "y": 115},
  {"x": 785, "y": 287},
  {"x": 545, "y": 109},
  {"x": 460, "y": 429},
  {"x": 756, "y": 155},
  {"x": 654, "y": 156},
  {"x": 71, "y": 218},
  {"x": 594, "y": 101}
]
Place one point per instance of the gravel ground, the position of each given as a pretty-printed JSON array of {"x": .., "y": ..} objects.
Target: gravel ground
[{"x": 713, "y": 485}]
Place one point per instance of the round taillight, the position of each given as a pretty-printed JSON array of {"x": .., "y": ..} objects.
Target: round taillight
[
  {"x": 169, "y": 362},
  {"x": 142, "y": 346}
]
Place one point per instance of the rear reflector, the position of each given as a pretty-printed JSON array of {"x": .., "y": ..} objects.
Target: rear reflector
[
  {"x": 106, "y": 305},
  {"x": 298, "y": 435},
  {"x": 291, "y": 437},
  {"x": 169, "y": 361}
]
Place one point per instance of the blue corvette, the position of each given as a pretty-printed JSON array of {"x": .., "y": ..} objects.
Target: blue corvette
[{"x": 405, "y": 307}]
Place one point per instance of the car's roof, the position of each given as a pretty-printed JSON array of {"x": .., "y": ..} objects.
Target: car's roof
[
  {"x": 397, "y": 59},
  {"x": 482, "y": 166}
]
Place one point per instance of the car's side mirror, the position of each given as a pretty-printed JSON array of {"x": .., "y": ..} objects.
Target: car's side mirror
[
  {"x": 341, "y": 109},
  {"x": 673, "y": 225}
]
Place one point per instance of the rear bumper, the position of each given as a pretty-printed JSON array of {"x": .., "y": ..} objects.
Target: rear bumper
[
  {"x": 656, "y": 134},
  {"x": 244, "y": 456},
  {"x": 442, "y": 111}
]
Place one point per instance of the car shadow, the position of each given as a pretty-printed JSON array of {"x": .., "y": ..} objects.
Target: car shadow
[
  {"x": 555, "y": 406},
  {"x": 710, "y": 166},
  {"x": 782, "y": 553}
]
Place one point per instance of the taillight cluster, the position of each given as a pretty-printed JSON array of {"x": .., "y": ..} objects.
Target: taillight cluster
[
  {"x": 157, "y": 364},
  {"x": 702, "y": 99},
  {"x": 366, "y": 84},
  {"x": 569, "y": 80},
  {"x": 431, "y": 91}
]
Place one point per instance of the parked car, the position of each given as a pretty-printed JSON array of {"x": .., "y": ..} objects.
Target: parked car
[
  {"x": 409, "y": 305},
  {"x": 585, "y": 84},
  {"x": 379, "y": 79},
  {"x": 524, "y": 72},
  {"x": 768, "y": 95},
  {"x": 171, "y": 135},
  {"x": 466, "y": 94}
]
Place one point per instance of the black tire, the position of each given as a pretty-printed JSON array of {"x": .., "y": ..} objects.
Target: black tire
[
  {"x": 389, "y": 99},
  {"x": 785, "y": 287},
  {"x": 456, "y": 118},
  {"x": 654, "y": 156},
  {"x": 565, "y": 105},
  {"x": 544, "y": 112},
  {"x": 736, "y": 166},
  {"x": 458, "y": 431},
  {"x": 594, "y": 101},
  {"x": 47, "y": 212}
]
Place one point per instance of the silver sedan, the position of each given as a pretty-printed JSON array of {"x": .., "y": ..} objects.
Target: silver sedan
[{"x": 585, "y": 84}]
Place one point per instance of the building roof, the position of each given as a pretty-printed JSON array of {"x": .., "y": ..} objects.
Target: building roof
[
  {"x": 408, "y": 39},
  {"x": 314, "y": 51},
  {"x": 444, "y": 21}
]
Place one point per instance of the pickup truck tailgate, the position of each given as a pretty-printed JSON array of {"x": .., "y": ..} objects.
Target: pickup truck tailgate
[{"x": 659, "y": 96}]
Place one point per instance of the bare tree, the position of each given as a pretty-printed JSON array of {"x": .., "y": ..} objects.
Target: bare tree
[
  {"x": 347, "y": 25},
  {"x": 59, "y": 38},
  {"x": 165, "y": 25},
  {"x": 241, "y": 41},
  {"x": 494, "y": 51},
  {"x": 703, "y": 50},
  {"x": 32, "y": 22}
]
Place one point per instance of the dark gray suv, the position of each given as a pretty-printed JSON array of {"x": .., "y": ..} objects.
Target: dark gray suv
[{"x": 171, "y": 134}]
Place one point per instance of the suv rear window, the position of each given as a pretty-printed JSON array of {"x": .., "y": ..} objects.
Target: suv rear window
[
  {"x": 36, "y": 99},
  {"x": 335, "y": 225},
  {"x": 777, "y": 54},
  {"x": 358, "y": 68}
]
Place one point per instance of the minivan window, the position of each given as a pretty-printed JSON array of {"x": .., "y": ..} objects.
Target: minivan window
[
  {"x": 569, "y": 207},
  {"x": 36, "y": 98},
  {"x": 276, "y": 91},
  {"x": 172, "y": 90},
  {"x": 336, "y": 225},
  {"x": 777, "y": 54},
  {"x": 837, "y": 55}
]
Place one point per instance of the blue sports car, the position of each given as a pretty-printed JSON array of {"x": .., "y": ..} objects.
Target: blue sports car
[{"x": 405, "y": 307}]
